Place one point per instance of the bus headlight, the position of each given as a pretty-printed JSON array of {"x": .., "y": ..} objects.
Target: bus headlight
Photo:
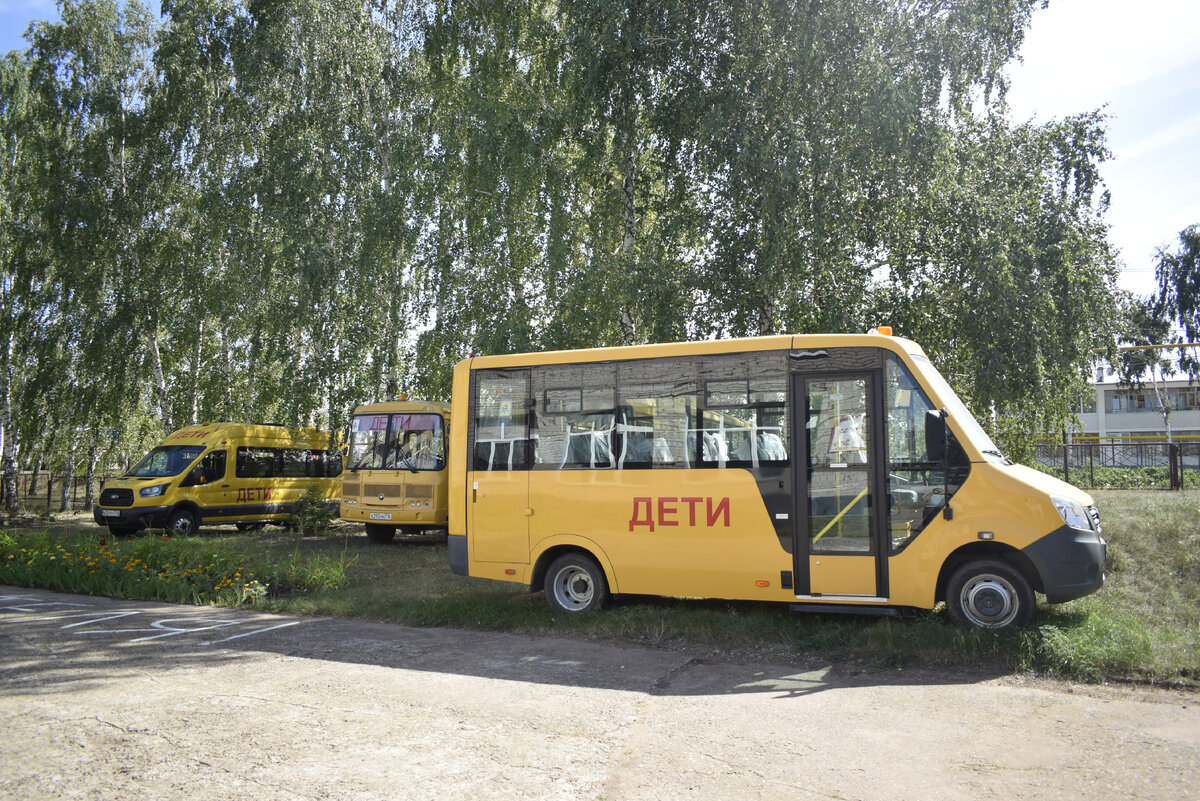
[
  {"x": 1072, "y": 513},
  {"x": 151, "y": 492}
]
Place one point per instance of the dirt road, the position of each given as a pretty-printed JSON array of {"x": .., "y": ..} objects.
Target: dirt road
[{"x": 127, "y": 700}]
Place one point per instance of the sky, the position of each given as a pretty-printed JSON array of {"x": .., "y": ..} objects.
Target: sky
[{"x": 1139, "y": 61}]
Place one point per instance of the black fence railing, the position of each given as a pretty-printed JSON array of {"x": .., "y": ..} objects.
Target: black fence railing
[{"x": 1123, "y": 465}]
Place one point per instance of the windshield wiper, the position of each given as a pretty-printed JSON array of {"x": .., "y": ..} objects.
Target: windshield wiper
[{"x": 998, "y": 455}]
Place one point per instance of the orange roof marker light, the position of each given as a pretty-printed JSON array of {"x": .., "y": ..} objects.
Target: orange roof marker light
[{"x": 886, "y": 330}]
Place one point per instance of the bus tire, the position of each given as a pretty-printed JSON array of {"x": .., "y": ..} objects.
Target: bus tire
[
  {"x": 575, "y": 583},
  {"x": 989, "y": 594},
  {"x": 380, "y": 534},
  {"x": 183, "y": 523}
]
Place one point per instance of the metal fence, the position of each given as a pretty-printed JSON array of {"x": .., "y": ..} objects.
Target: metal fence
[
  {"x": 1123, "y": 465},
  {"x": 46, "y": 492}
]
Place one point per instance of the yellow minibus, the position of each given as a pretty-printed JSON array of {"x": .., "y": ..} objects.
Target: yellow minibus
[
  {"x": 834, "y": 472},
  {"x": 210, "y": 473},
  {"x": 396, "y": 477}
]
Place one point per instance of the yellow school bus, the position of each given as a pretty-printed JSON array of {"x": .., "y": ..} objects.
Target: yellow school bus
[
  {"x": 397, "y": 468},
  {"x": 833, "y": 472},
  {"x": 209, "y": 473}
]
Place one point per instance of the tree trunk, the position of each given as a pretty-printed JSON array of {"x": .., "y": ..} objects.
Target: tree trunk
[
  {"x": 8, "y": 454},
  {"x": 629, "y": 326},
  {"x": 195, "y": 388},
  {"x": 89, "y": 496},
  {"x": 160, "y": 381},
  {"x": 35, "y": 476},
  {"x": 68, "y": 478},
  {"x": 227, "y": 375}
]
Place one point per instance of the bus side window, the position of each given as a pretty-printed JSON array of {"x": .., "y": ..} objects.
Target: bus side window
[{"x": 210, "y": 469}]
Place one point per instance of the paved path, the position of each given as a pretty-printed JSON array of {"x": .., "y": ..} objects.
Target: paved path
[{"x": 129, "y": 700}]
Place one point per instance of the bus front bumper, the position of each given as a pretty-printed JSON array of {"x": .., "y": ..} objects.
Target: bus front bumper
[
  {"x": 1070, "y": 562},
  {"x": 132, "y": 517}
]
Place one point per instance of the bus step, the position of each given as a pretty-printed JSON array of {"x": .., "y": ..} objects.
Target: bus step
[{"x": 847, "y": 609}]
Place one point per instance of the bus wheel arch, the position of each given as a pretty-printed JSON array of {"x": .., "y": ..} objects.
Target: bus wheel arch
[
  {"x": 575, "y": 583},
  {"x": 987, "y": 550},
  {"x": 183, "y": 520},
  {"x": 988, "y": 585},
  {"x": 565, "y": 545}
]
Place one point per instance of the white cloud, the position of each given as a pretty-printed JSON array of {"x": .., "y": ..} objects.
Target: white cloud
[
  {"x": 1087, "y": 50},
  {"x": 1184, "y": 129}
]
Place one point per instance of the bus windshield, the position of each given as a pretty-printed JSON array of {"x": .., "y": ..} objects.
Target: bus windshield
[
  {"x": 962, "y": 417},
  {"x": 397, "y": 442},
  {"x": 165, "y": 461}
]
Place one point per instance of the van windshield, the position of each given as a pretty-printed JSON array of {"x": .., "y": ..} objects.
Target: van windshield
[{"x": 166, "y": 460}]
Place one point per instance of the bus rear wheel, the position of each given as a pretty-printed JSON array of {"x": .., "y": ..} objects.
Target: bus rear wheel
[
  {"x": 989, "y": 594},
  {"x": 380, "y": 534},
  {"x": 575, "y": 583}
]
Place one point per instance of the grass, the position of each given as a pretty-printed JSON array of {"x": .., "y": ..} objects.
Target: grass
[{"x": 1144, "y": 625}]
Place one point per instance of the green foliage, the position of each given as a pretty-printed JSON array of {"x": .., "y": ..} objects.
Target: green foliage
[
  {"x": 1178, "y": 275},
  {"x": 190, "y": 570},
  {"x": 312, "y": 513},
  {"x": 257, "y": 211}
]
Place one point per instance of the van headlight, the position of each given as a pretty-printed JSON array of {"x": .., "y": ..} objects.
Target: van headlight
[
  {"x": 1072, "y": 513},
  {"x": 151, "y": 492}
]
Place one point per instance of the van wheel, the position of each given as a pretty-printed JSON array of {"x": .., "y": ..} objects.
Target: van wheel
[
  {"x": 380, "y": 534},
  {"x": 575, "y": 583},
  {"x": 989, "y": 594},
  {"x": 182, "y": 523}
]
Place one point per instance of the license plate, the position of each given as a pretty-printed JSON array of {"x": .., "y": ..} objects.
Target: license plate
[
  {"x": 110, "y": 512},
  {"x": 381, "y": 515}
]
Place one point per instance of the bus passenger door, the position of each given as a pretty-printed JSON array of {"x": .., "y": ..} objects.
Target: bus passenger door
[
  {"x": 498, "y": 482},
  {"x": 840, "y": 552}
]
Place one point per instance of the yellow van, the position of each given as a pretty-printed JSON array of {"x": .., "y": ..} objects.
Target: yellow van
[{"x": 211, "y": 473}]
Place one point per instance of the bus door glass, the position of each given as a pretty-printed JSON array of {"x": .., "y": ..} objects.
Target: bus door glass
[
  {"x": 501, "y": 453},
  {"x": 839, "y": 537}
]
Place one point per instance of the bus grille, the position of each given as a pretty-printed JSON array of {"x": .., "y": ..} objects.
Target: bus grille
[
  {"x": 350, "y": 489},
  {"x": 116, "y": 497},
  {"x": 395, "y": 491}
]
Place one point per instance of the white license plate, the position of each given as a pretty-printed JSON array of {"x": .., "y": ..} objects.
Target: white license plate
[
  {"x": 110, "y": 512},
  {"x": 381, "y": 515}
]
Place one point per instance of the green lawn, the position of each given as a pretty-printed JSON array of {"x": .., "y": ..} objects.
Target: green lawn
[{"x": 1144, "y": 625}]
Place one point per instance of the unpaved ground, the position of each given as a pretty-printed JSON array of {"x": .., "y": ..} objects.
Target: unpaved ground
[{"x": 128, "y": 700}]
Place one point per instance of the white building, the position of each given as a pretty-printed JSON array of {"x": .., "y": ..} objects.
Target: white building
[{"x": 1112, "y": 410}]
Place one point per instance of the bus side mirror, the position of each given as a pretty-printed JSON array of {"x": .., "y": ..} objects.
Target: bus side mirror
[{"x": 935, "y": 435}]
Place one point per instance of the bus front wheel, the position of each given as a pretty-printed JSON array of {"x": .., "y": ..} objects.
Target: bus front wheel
[
  {"x": 182, "y": 523},
  {"x": 989, "y": 594},
  {"x": 575, "y": 583},
  {"x": 380, "y": 534}
]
